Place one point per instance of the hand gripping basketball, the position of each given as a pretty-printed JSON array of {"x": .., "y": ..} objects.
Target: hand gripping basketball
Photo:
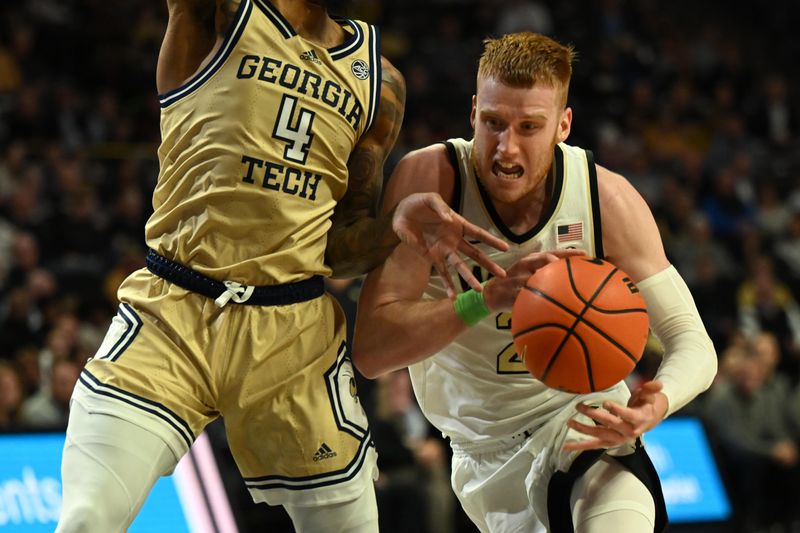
[{"x": 580, "y": 324}]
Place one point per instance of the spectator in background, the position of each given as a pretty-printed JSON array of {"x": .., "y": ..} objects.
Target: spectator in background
[
  {"x": 787, "y": 251},
  {"x": 714, "y": 292},
  {"x": 24, "y": 259},
  {"x": 524, "y": 15},
  {"x": 11, "y": 395},
  {"x": 774, "y": 118},
  {"x": 696, "y": 242},
  {"x": 766, "y": 304},
  {"x": 413, "y": 489},
  {"x": 747, "y": 418},
  {"x": 728, "y": 212},
  {"x": 773, "y": 215},
  {"x": 21, "y": 323},
  {"x": 49, "y": 408}
]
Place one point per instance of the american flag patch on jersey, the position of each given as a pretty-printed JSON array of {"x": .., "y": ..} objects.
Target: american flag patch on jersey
[{"x": 569, "y": 232}]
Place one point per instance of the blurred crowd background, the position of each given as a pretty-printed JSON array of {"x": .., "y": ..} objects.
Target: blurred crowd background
[{"x": 694, "y": 102}]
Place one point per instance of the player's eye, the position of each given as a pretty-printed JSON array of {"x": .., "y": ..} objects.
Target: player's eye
[{"x": 493, "y": 123}]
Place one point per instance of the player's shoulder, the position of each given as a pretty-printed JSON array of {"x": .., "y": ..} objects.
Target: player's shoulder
[
  {"x": 427, "y": 169},
  {"x": 433, "y": 162},
  {"x": 393, "y": 79},
  {"x": 614, "y": 190}
]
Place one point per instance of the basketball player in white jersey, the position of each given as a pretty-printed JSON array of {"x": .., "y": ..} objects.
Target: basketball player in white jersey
[
  {"x": 275, "y": 121},
  {"x": 527, "y": 457}
]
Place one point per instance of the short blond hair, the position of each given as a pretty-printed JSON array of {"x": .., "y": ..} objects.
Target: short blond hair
[{"x": 524, "y": 59}]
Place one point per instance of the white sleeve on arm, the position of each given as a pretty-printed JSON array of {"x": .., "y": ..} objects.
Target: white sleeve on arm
[{"x": 690, "y": 362}]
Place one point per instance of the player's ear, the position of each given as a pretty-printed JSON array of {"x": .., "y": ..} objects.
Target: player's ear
[
  {"x": 564, "y": 125},
  {"x": 473, "y": 112}
]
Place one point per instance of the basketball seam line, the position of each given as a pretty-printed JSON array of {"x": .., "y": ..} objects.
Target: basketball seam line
[
  {"x": 571, "y": 312},
  {"x": 578, "y": 319}
]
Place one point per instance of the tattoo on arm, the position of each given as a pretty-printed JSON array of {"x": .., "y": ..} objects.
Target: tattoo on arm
[{"x": 360, "y": 240}]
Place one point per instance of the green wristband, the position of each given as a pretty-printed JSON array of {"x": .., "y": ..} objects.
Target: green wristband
[{"x": 471, "y": 307}]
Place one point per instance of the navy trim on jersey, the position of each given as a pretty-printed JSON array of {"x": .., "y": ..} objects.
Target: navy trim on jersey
[
  {"x": 558, "y": 190},
  {"x": 134, "y": 324},
  {"x": 452, "y": 156},
  {"x": 595, "y": 198},
  {"x": 317, "y": 480},
  {"x": 277, "y": 18},
  {"x": 154, "y": 408},
  {"x": 351, "y": 44},
  {"x": 375, "y": 75},
  {"x": 232, "y": 37}
]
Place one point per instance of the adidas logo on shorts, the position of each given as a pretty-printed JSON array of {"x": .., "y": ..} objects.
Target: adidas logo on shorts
[{"x": 324, "y": 452}]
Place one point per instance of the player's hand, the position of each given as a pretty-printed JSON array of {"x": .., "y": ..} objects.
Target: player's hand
[
  {"x": 425, "y": 222},
  {"x": 617, "y": 424},
  {"x": 500, "y": 293}
]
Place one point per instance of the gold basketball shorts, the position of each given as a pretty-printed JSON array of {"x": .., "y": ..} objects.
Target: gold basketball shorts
[{"x": 280, "y": 376}]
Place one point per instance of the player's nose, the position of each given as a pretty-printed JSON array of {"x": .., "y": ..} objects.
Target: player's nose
[{"x": 508, "y": 143}]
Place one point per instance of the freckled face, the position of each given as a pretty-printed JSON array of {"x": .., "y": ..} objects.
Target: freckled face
[{"x": 516, "y": 130}]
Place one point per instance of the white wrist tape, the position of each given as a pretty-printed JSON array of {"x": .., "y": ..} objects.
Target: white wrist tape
[{"x": 690, "y": 362}]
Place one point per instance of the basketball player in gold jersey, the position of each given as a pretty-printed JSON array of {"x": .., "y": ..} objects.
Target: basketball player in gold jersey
[
  {"x": 527, "y": 457},
  {"x": 275, "y": 119}
]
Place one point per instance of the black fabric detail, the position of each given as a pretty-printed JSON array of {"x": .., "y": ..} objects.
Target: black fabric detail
[
  {"x": 185, "y": 277},
  {"x": 559, "y": 489}
]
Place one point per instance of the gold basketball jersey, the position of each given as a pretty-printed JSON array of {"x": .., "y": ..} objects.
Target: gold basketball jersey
[{"x": 255, "y": 147}]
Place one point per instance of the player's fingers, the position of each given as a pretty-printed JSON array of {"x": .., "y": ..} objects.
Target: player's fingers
[
  {"x": 583, "y": 445},
  {"x": 482, "y": 259},
  {"x": 601, "y": 437},
  {"x": 567, "y": 252},
  {"x": 607, "y": 435},
  {"x": 463, "y": 269},
  {"x": 601, "y": 416},
  {"x": 476, "y": 232},
  {"x": 439, "y": 206},
  {"x": 620, "y": 419},
  {"x": 447, "y": 277}
]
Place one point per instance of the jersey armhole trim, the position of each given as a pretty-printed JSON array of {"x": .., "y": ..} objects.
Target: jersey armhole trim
[
  {"x": 376, "y": 75},
  {"x": 595, "y": 200},
  {"x": 277, "y": 19},
  {"x": 231, "y": 38}
]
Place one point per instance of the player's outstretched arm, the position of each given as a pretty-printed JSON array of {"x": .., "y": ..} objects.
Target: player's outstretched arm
[
  {"x": 690, "y": 361},
  {"x": 360, "y": 240},
  {"x": 194, "y": 30},
  {"x": 395, "y": 325}
]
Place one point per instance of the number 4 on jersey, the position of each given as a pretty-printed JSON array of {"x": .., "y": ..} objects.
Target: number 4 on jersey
[{"x": 295, "y": 131}]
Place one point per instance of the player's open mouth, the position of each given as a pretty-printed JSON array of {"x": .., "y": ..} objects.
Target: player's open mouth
[{"x": 509, "y": 172}]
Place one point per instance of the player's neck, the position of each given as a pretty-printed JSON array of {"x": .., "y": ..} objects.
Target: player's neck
[
  {"x": 522, "y": 215},
  {"x": 311, "y": 21}
]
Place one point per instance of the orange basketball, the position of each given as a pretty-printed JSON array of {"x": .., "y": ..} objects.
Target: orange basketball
[{"x": 579, "y": 324}]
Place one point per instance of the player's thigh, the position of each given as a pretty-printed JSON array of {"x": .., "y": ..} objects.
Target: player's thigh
[
  {"x": 109, "y": 466},
  {"x": 491, "y": 487},
  {"x": 609, "y": 497},
  {"x": 155, "y": 356},
  {"x": 295, "y": 424}
]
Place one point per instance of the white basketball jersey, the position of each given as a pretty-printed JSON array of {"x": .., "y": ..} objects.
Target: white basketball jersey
[{"x": 478, "y": 388}]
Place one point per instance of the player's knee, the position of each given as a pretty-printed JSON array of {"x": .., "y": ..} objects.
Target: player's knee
[{"x": 83, "y": 517}]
